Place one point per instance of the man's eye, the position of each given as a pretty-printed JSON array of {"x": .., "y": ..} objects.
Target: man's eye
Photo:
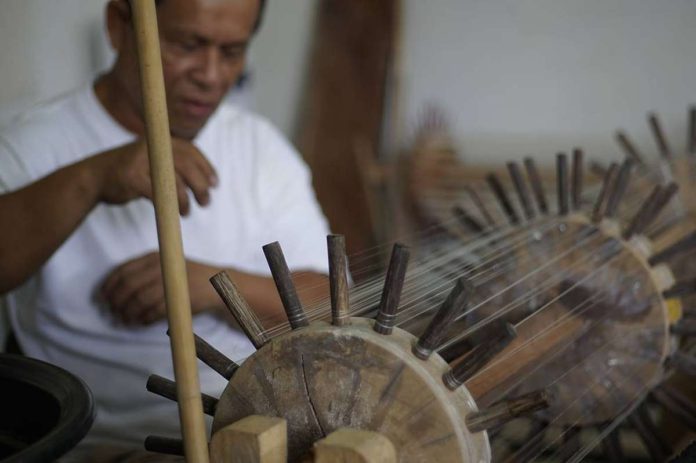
[
  {"x": 233, "y": 53},
  {"x": 188, "y": 45}
]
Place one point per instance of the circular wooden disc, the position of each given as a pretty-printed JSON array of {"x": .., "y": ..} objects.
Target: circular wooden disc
[{"x": 322, "y": 378}]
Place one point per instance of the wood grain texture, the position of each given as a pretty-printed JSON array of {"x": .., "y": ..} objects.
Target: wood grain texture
[
  {"x": 348, "y": 445},
  {"x": 344, "y": 101},
  {"x": 323, "y": 378},
  {"x": 240, "y": 310},
  {"x": 171, "y": 250},
  {"x": 253, "y": 439},
  {"x": 338, "y": 279}
]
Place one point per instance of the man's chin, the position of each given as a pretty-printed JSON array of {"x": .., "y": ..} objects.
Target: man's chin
[{"x": 186, "y": 131}]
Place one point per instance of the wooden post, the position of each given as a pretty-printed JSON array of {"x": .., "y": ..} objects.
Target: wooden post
[
  {"x": 347, "y": 445},
  {"x": 576, "y": 187},
  {"x": 502, "y": 197},
  {"x": 628, "y": 147},
  {"x": 286, "y": 288},
  {"x": 169, "y": 231},
  {"x": 562, "y": 183},
  {"x": 254, "y": 439},
  {"x": 521, "y": 188},
  {"x": 391, "y": 293}
]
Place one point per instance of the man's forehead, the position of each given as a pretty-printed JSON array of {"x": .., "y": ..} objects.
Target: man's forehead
[{"x": 209, "y": 14}]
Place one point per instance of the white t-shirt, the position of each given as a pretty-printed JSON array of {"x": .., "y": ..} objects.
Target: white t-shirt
[{"x": 264, "y": 195}]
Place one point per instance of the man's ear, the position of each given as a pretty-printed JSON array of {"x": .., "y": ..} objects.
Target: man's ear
[{"x": 118, "y": 21}]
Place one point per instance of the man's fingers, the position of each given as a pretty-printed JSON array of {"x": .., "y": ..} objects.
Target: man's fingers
[
  {"x": 198, "y": 183},
  {"x": 142, "y": 306},
  {"x": 121, "y": 274},
  {"x": 182, "y": 195}
]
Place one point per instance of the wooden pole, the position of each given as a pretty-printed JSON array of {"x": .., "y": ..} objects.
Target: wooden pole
[{"x": 169, "y": 231}]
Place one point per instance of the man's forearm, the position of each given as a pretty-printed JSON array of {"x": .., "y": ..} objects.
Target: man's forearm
[{"x": 38, "y": 218}]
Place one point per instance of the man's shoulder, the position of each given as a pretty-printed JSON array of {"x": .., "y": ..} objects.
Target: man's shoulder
[{"x": 52, "y": 115}]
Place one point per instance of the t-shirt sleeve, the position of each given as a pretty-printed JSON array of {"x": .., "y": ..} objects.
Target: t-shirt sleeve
[
  {"x": 13, "y": 173},
  {"x": 291, "y": 213}
]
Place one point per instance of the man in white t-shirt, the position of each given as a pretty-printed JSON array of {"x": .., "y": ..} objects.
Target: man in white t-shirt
[{"x": 78, "y": 245}]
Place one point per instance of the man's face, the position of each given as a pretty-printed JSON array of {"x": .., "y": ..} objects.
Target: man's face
[{"x": 204, "y": 46}]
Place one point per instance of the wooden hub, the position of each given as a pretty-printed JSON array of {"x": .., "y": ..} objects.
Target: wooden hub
[{"x": 321, "y": 378}]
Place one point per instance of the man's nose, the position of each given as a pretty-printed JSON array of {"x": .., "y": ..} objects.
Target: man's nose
[{"x": 208, "y": 70}]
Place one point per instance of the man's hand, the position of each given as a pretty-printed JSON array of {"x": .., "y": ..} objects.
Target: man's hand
[
  {"x": 135, "y": 293},
  {"x": 124, "y": 173}
]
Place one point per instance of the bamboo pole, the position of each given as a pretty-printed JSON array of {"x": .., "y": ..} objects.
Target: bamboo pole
[{"x": 169, "y": 231}]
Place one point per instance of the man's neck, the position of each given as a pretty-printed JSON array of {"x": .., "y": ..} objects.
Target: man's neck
[{"x": 117, "y": 102}]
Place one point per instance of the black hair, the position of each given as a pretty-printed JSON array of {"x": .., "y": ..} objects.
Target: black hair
[{"x": 259, "y": 17}]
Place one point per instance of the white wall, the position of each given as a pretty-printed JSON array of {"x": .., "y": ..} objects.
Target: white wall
[
  {"x": 538, "y": 76},
  {"x": 50, "y": 46}
]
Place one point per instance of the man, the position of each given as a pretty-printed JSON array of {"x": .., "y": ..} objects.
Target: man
[{"x": 79, "y": 245}]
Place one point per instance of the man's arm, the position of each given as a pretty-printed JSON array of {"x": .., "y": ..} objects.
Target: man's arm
[
  {"x": 38, "y": 218},
  {"x": 135, "y": 293}
]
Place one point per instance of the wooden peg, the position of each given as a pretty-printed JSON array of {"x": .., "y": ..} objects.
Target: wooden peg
[
  {"x": 338, "y": 279},
  {"x": 240, "y": 310},
  {"x": 507, "y": 410},
  {"x": 676, "y": 403},
  {"x": 478, "y": 357},
  {"x": 598, "y": 169},
  {"x": 483, "y": 210},
  {"x": 576, "y": 187},
  {"x": 502, "y": 198},
  {"x": 521, "y": 189},
  {"x": 685, "y": 363},
  {"x": 391, "y": 293},
  {"x": 640, "y": 219},
  {"x": 533, "y": 444},
  {"x": 680, "y": 289},
  {"x": 607, "y": 186},
  {"x": 455, "y": 350},
  {"x": 214, "y": 358},
  {"x": 562, "y": 183},
  {"x": 618, "y": 189},
  {"x": 649, "y": 434},
  {"x": 628, "y": 147},
  {"x": 682, "y": 246},
  {"x": 286, "y": 288},
  {"x": 348, "y": 445},
  {"x": 537, "y": 185},
  {"x": 684, "y": 327},
  {"x": 166, "y": 445},
  {"x": 692, "y": 130},
  {"x": 662, "y": 200},
  {"x": 611, "y": 445},
  {"x": 167, "y": 388},
  {"x": 467, "y": 221},
  {"x": 450, "y": 308},
  {"x": 660, "y": 139},
  {"x": 254, "y": 439}
]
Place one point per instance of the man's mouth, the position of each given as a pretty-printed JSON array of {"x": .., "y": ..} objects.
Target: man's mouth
[{"x": 198, "y": 108}]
